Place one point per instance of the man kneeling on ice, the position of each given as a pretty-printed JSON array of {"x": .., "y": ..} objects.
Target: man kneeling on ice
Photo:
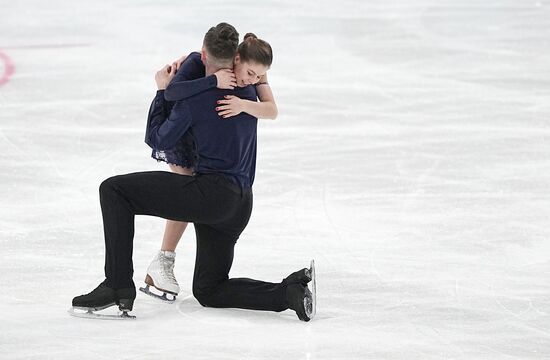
[{"x": 217, "y": 199}]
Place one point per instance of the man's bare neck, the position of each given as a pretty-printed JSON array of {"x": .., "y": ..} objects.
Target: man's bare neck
[{"x": 209, "y": 70}]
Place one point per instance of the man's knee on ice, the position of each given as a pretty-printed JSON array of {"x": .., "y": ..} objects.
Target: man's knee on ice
[{"x": 204, "y": 297}]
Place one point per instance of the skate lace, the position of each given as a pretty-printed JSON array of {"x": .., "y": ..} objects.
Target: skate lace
[{"x": 167, "y": 266}]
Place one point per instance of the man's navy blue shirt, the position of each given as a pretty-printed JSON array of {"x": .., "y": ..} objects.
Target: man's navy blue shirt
[{"x": 223, "y": 146}]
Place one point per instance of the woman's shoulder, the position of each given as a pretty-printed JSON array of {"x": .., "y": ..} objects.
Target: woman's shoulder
[{"x": 195, "y": 55}]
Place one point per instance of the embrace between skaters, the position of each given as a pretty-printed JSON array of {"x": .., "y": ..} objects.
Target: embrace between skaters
[{"x": 203, "y": 123}]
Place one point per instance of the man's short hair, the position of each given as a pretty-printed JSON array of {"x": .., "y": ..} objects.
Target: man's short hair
[{"x": 221, "y": 43}]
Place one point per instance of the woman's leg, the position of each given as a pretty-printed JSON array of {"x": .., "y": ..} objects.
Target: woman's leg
[
  {"x": 174, "y": 229},
  {"x": 160, "y": 272}
]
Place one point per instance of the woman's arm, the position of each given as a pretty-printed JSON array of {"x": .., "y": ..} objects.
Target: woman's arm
[
  {"x": 165, "y": 127},
  {"x": 266, "y": 108}
]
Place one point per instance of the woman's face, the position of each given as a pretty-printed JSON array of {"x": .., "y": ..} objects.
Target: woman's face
[{"x": 247, "y": 73}]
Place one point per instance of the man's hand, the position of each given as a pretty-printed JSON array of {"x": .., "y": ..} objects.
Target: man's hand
[
  {"x": 165, "y": 75},
  {"x": 226, "y": 79},
  {"x": 230, "y": 106}
]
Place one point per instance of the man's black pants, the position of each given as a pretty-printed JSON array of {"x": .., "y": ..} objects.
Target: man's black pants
[{"x": 219, "y": 210}]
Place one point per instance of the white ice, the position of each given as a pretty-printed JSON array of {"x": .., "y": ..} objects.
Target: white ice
[{"x": 410, "y": 159}]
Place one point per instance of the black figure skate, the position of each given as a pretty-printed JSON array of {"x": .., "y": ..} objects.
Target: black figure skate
[
  {"x": 101, "y": 298},
  {"x": 301, "y": 298}
]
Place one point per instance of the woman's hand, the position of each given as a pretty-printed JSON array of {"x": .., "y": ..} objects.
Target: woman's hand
[
  {"x": 226, "y": 79},
  {"x": 165, "y": 75},
  {"x": 230, "y": 106}
]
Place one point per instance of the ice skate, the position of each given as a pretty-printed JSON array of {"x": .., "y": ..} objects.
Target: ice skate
[
  {"x": 160, "y": 281},
  {"x": 302, "y": 276},
  {"x": 301, "y": 298},
  {"x": 103, "y": 297},
  {"x": 311, "y": 309}
]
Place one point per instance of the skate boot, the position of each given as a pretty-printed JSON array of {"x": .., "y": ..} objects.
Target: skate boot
[
  {"x": 299, "y": 296},
  {"x": 101, "y": 298},
  {"x": 160, "y": 275},
  {"x": 299, "y": 277}
]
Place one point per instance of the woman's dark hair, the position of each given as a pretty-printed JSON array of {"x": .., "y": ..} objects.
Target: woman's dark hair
[
  {"x": 221, "y": 42},
  {"x": 255, "y": 50}
]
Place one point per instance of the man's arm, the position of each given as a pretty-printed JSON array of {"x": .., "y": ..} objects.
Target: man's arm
[
  {"x": 182, "y": 90},
  {"x": 165, "y": 127}
]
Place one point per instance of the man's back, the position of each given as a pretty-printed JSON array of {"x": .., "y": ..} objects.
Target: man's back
[{"x": 224, "y": 146}]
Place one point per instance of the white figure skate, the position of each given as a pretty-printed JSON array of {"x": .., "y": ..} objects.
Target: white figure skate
[{"x": 160, "y": 276}]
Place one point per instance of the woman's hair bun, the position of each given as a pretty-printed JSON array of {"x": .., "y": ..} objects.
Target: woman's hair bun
[
  {"x": 255, "y": 50},
  {"x": 249, "y": 36}
]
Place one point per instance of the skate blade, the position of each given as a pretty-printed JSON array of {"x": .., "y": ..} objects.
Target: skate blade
[
  {"x": 310, "y": 301},
  {"x": 164, "y": 297},
  {"x": 91, "y": 314}
]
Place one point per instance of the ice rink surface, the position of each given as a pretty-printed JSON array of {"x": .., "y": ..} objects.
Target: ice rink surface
[{"x": 410, "y": 158}]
